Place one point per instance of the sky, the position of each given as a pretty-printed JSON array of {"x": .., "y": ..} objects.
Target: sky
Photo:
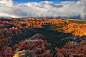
[
  {"x": 54, "y": 1},
  {"x": 43, "y": 8}
]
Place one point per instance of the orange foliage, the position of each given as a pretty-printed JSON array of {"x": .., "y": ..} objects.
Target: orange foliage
[{"x": 76, "y": 29}]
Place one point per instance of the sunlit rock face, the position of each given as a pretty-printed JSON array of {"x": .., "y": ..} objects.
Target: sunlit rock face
[
  {"x": 67, "y": 9},
  {"x": 25, "y": 53}
]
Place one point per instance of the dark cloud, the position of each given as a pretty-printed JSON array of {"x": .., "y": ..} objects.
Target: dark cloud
[{"x": 57, "y": 5}]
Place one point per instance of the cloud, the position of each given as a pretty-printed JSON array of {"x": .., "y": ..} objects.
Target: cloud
[
  {"x": 7, "y": 3},
  {"x": 67, "y": 9},
  {"x": 57, "y": 5},
  {"x": 47, "y": 2}
]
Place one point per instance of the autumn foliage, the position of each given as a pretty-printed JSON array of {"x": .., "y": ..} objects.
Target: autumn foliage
[
  {"x": 72, "y": 49},
  {"x": 37, "y": 45},
  {"x": 76, "y": 29},
  {"x": 10, "y": 27}
]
